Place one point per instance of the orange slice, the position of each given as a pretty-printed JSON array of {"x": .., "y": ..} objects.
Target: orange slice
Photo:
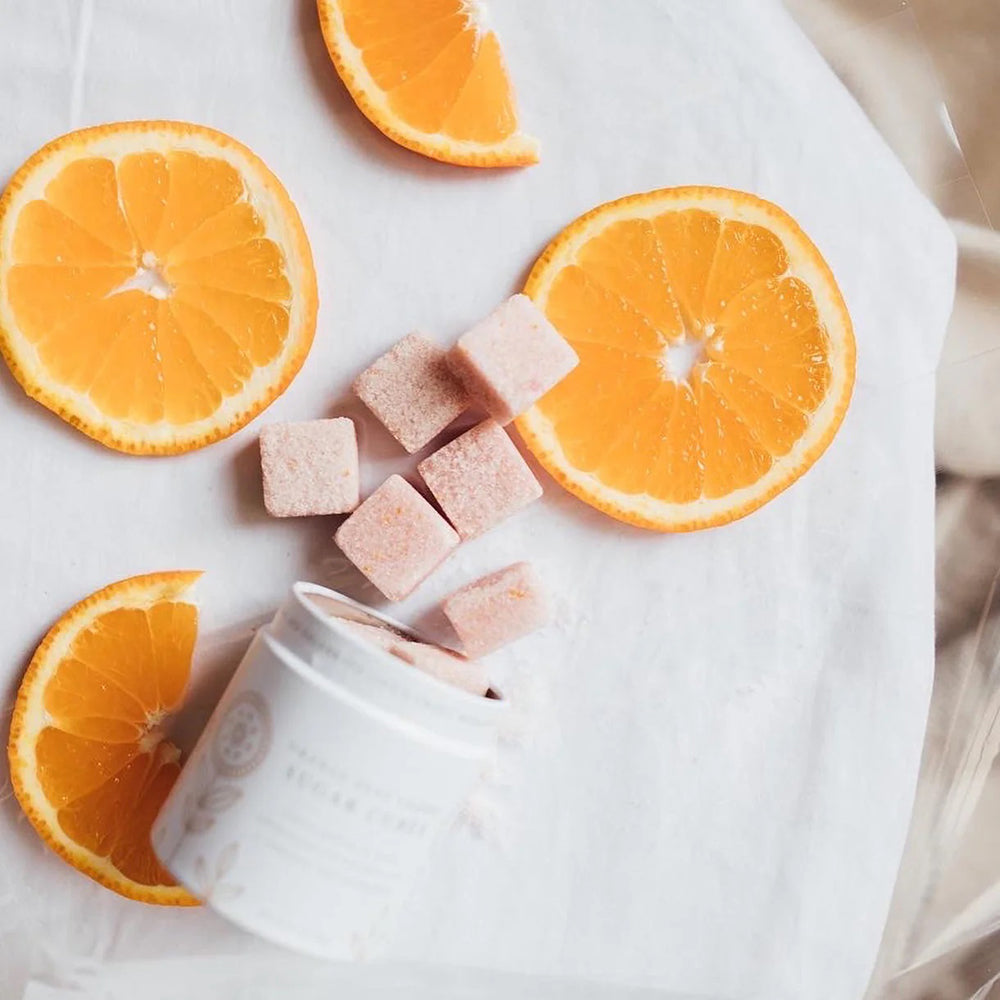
[
  {"x": 716, "y": 357},
  {"x": 88, "y": 759},
  {"x": 157, "y": 289},
  {"x": 431, "y": 76}
]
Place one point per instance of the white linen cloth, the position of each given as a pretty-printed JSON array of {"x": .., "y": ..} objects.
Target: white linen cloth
[{"x": 711, "y": 785}]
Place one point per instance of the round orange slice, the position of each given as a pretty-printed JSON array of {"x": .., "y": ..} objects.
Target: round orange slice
[
  {"x": 431, "y": 76},
  {"x": 88, "y": 759},
  {"x": 716, "y": 357},
  {"x": 157, "y": 288}
]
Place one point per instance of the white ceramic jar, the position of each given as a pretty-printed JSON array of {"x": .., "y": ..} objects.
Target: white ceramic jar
[{"x": 328, "y": 767}]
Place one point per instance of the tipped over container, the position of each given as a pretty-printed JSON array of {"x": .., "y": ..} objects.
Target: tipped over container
[{"x": 329, "y": 766}]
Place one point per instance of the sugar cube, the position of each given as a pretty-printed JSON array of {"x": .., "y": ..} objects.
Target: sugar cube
[
  {"x": 479, "y": 479},
  {"x": 511, "y": 358},
  {"x": 445, "y": 666},
  {"x": 499, "y": 608},
  {"x": 310, "y": 467},
  {"x": 412, "y": 391},
  {"x": 396, "y": 538},
  {"x": 375, "y": 634}
]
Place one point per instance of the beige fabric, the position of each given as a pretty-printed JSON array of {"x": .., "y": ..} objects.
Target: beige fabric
[{"x": 928, "y": 74}]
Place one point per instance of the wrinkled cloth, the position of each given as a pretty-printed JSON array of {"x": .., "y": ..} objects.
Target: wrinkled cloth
[{"x": 710, "y": 782}]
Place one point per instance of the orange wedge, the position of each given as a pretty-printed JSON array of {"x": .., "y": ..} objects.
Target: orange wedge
[
  {"x": 431, "y": 76},
  {"x": 716, "y": 357},
  {"x": 157, "y": 289},
  {"x": 88, "y": 759}
]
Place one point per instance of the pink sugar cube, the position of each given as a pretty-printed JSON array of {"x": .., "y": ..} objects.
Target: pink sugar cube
[
  {"x": 310, "y": 467},
  {"x": 412, "y": 391},
  {"x": 511, "y": 358},
  {"x": 499, "y": 608},
  {"x": 479, "y": 479},
  {"x": 396, "y": 538},
  {"x": 375, "y": 634},
  {"x": 445, "y": 666}
]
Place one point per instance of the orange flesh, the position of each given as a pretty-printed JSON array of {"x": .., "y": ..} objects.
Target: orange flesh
[
  {"x": 181, "y": 220},
  {"x": 440, "y": 73},
  {"x": 643, "y": 286},
  {"x": 101, "y": 760}
]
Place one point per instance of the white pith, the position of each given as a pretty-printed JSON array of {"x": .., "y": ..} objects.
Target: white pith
[{"x": 680, "y": 358}]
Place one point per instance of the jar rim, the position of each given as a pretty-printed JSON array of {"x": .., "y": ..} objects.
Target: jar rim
[{"x": 303, "y": 592}]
